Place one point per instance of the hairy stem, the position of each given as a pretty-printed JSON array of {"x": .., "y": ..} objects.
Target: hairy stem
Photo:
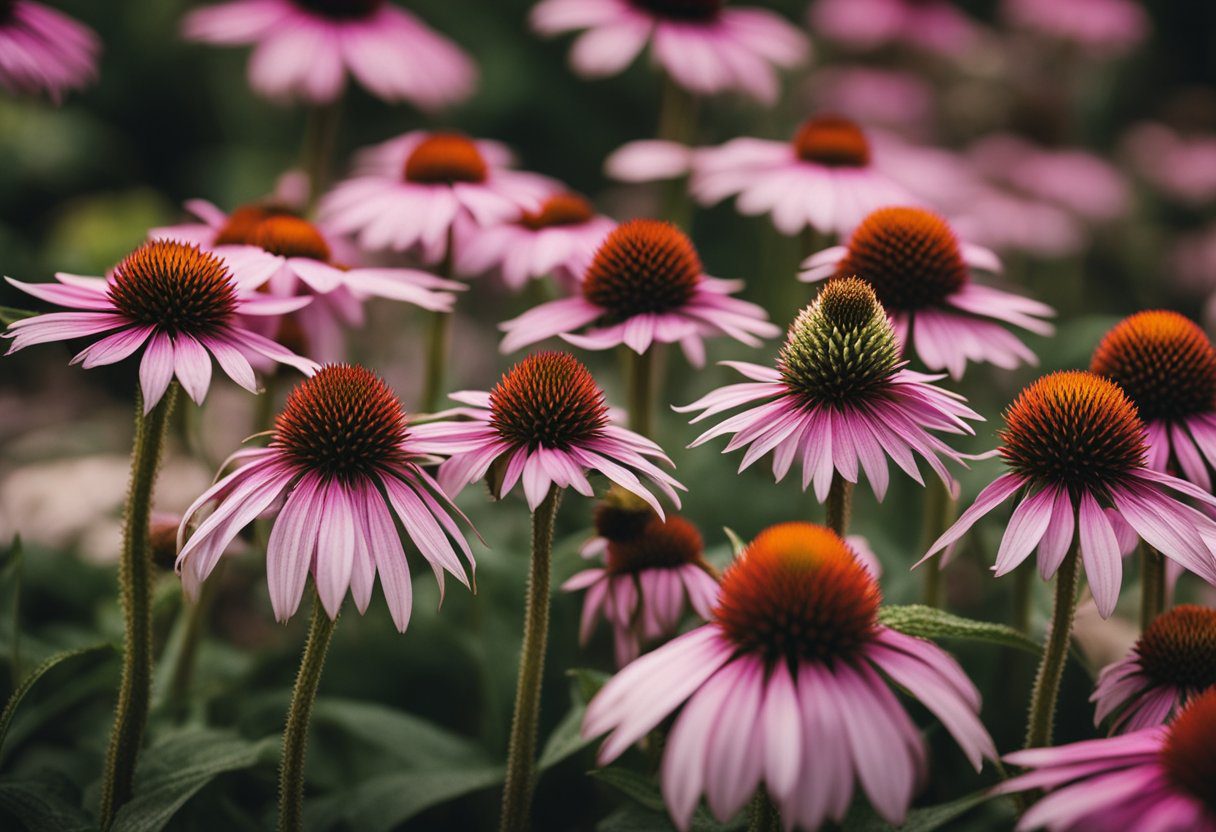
[
  {"x": 1152, "y": 585},
  {"x": 1055, "y": 653},
  {"x": 939, "y": 508},
  {"x": 641, "y": 391},
  {"x": 839, "y": 505}
]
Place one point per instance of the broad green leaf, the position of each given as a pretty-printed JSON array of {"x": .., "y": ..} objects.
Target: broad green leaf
[
  {"x": 179, "y": 765},
  {"x": 383, "y": 803},
  {"x": 926, "y": 819},
  {"x": 45, "y": 804},
  {"x": 410, "y": 740},
  {"x": 9, "y": 315},
  {"x": 928, "y": 622},
  {"x": 6, "y": 717}
]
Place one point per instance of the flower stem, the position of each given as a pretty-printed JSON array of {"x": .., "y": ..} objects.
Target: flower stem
[
  {"x": 939, "y": 509},
  {"x": 320, "y": 136},
  {"x": 1023, "y": 596},
  {"x": 1152, "y": 585},
  {"x": 193, "y": 619},
  {"x": 764, "y": 815},
  {"x": 677, "y": 123},
  {"x": 521, "y": 753},
  {"x": 135, "y": 585},
  {"x": 839, "y": 505},
  {"x": 641, "y": 391},
  {"x": 1055, "y": 654},
  {"x": 295, "y": 734},
  {"x": 438, "y": 335}
]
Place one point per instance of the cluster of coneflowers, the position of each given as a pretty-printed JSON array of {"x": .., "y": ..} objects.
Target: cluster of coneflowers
[{"x": 786, "y": 694}]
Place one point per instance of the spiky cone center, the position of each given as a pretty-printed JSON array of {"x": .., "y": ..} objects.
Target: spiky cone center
[
  {"x": 1179, "y": 647},
  {"x": 662, "y": 544},
  {"x": 289, "y": 236},
  {"x": 176, "y": 287},
  {"x": 548, "y": 400},
  {"x": 1073, "y": 429},
  {"x": 343, "y": 423},
  {"x": 832, "y": 141},
  {"x": 341, "y": 9},
  {"x": 1189, "y": 753},
  {"x": 797, "y": 593},
  {"x": 1163, "y": 361},
  {"x": 559, "y": 210},
  {"x": 697, "y": 11},
  {"x": 446, "y": 158},
  {"x": 841, "y": 349},
  {"x": 909, "y": 255},
  {"x": 642, "y": 266},
  {"x": 621, "y": 516},
  {"x": 238, "y": 229}
]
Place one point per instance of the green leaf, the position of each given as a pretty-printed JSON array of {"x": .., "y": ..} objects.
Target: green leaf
[
  {"x": 638, "y": 787},
  {"x": 179, "y": 765},
  {"x": 9, "y": 315},
  {"x": 927, "y": 622},
  {"x": 926, "y": 819},
  {"x": 6, "y": 717},
  {"x": 383, "y": 803},
  {"x": 409, "y": 740},
  {"x": 567, "y": 739},
  {"x": 736, "y": 543},
  {"x": 49, "y": 803}
]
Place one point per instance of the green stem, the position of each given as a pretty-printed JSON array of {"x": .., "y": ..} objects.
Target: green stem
[
  {"x": 764, "y": 815},
  {"x": 1152, "y": 585},
  {"x": 521, "y": 753},
  {"x": 641, "y": 391},
  {"x": 295, "y": 734},
  {"x": 193, "y": 620},
  {"x": 1023, "y": 596},
  {"x": 135, "y": 573},
  {"x": 438, "y": 336},
  {"x": 839, "y": 505},
  {"x": 1055, "y": 654},
  {"x": 677, "y": 123},
  {"x": 939, "y": 509},
  {"x": 320, "y": 136}
]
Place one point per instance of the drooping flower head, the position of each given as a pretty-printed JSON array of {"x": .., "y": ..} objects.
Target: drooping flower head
[
  {"x": 304, "y": 49},
  {"x": 706, "y": 46},
  {"x": 545, "y": 424},
  {"x": 557, "y": 238},
  {"x": 1167, "y": 367},
  {"x": 1173, "y": 662},
  {"x": 343, "y": 470},
  {"x": 646, "y": 576},
  {"x": 1076, "y": 453},
  {"x": 179, "y": 301},
  {"x": 1155, "y": 778},
  {"x": 784, "y": 689},
  {"x": 838, "y": 400},
  {"x": 645, "y": 284},
  {"x": 42, "y": 50},
  {"x": 921, "y": 273},
  {"x": 936, "y": 26},
  {"x": 407, "y": 193}
]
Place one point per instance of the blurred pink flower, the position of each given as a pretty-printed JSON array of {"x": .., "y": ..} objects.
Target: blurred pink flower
[
  {"x": 789, "y": 688},
  {"x": 1007, "y": 222},
  {"x": 341, "y": 471},
  {"x": 181, "y": 301},
  {"x": 704, "y": 47},
  {"x": 44, "y": 50},
  {"x": 407, "y": 193},
  {"x": 1182, "y": 168},
  {"x": 876, "y": 97},
  {"x": 933, "y": 25},
  {"x": 1104, "y": 27},
  {"x": 558, "y": 238},
  {"x": 644, "y": 285},
  {"x": 304, "y": 49}
]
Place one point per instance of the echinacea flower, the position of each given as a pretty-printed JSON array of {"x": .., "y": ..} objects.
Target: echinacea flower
[
  {"x": 641, "y": 589},
  {"x": 645, "y": 284},
  {"x": 922, "y": 274},
  {"x": 558, "y": 238},
  {"x": 544, "y": 424},
  {"x": 936, "y": 26},
  {"x": 787, "y": 686},
  {"x": 1167, "y": 367},
  {"x": 174, "y": 300},
  {"x": 705, "y": 46},
  {"x": 407, "y": 193},
  {"x": 342, "y": 470},
  {"x": 1106, "y": 28},
  {"x": 1173, "y": 662},
  {"x": 1157, "y": 778},
  {"x": 838, "y": 400},
  {"x": 42, "y": 49},
  {"x": 1181, "y": 166},
  {"x": 1077, "y": 456},
  {"x": 305, "y": 49}
]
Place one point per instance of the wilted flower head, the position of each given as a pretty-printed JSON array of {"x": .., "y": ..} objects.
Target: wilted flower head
[{"x": 42, "y": 50}]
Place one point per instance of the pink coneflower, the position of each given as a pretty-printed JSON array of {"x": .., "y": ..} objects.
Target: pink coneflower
[
  {"x": 1180, "y": 166},
  {"x": 408, "y": 192},
  {"x": 644, "y": 285},
  {"x": 1077, "y": 450},
  {"x": 704, "y": 46},
  {"x": 838, "y": 400},
  {"x": 42, "y": 49},
  {"x": 785, "y": 687},
  {"x": 545, "y": 423},
  {"x": 304, "y": 49},
  {"x": 1173, "y": 662},
  {"x": 558, "y": 238},
  {"x": 1157, "y": 778},
  {"x": 921, "y": 272},
  {"x": 1167, "y": 367},
  {"x": 934, "y": 25},
  {"x": 345, "y": 468},
  {"x": 642, "y": 587},
  {"x": 1104, "y": 27},
  {"x": 892, "y": 98},
  {"x": 180, "y": 301}
]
